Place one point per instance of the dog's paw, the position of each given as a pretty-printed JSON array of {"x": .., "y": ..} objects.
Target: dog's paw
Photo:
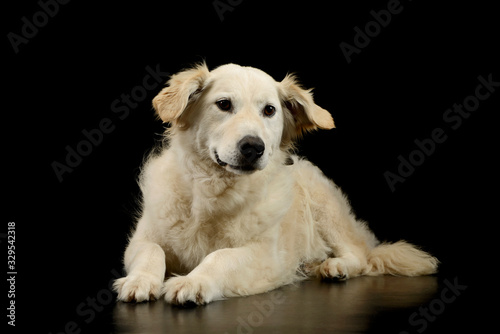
[
  {"x": 138, "y": 287},
  {"x": 334, "y": 268},
  {"x": 184, "y": 290}
]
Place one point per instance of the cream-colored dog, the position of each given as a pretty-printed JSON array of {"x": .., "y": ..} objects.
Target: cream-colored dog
[{"x": 228, "y": 210}]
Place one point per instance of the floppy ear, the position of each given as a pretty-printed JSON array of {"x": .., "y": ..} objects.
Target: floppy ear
[
  {"x": 173, "y": 100},
  {"x": 307, "y": 116}
]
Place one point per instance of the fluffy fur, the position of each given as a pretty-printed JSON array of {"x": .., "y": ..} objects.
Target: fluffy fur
[{"x": 219, "y": 221}]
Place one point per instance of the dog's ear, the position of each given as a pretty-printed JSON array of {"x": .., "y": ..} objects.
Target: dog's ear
[
  {"x": 305, "y": 114},
  {"x": 173, "y": 100}
]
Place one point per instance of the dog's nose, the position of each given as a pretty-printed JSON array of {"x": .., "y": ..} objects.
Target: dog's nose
[{"x": 251, "y": 148}]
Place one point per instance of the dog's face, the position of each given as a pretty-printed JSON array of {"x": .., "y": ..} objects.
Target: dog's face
[
  {"x": 241, "y": 121},
  {"x": 238, "y": 116}
]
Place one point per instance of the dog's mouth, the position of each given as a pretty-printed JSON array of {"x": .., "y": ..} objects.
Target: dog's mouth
[
  {"x": 219, "y": 161},
  {"x": 239, "y": 169}
]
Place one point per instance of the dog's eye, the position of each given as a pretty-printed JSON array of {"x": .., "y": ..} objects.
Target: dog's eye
[
  {"x": 224, "y": 105},
  {"x": 269, "y": 110}
]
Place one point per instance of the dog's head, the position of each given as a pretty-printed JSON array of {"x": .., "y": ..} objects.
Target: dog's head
[{"x": 238, "y": 116}]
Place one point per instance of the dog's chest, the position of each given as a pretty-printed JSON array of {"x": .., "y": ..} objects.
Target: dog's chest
[
  {"x": 197, "y": 235},
  {"x": 203, "y": 222},
  {"x": 207, "y": 214}
]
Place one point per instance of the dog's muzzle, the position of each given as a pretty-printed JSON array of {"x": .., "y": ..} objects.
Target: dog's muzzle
[{"x": 250, "y": 149}]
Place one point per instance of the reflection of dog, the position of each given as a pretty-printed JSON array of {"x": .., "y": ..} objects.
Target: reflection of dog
[{"x": 229, "y": 207}]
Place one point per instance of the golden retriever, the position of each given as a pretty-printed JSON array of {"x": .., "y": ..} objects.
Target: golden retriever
[{"x": 229, "y": 210}]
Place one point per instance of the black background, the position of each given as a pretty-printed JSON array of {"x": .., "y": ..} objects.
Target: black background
[{"x": 70, "y": 235}]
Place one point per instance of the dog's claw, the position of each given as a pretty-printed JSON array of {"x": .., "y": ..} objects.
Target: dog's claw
[{"x": 339, "y": 277}]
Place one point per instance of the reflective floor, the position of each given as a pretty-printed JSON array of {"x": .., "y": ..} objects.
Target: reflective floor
[{"x": 364, "y": 304}]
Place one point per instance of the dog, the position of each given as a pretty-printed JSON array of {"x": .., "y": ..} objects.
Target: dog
[{"x": 229, "y": 210}]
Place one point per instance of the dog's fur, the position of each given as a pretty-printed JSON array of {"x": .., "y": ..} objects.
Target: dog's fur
[{"x": 219, "y": 221}]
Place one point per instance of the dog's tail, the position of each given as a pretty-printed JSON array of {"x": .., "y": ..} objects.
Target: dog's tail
[{"x": 400, "y": 259}]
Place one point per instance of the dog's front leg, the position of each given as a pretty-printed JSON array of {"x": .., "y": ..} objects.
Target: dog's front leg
[
  {"x": 224, "y": 273},
  {"x": 145, "y": 266}
]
